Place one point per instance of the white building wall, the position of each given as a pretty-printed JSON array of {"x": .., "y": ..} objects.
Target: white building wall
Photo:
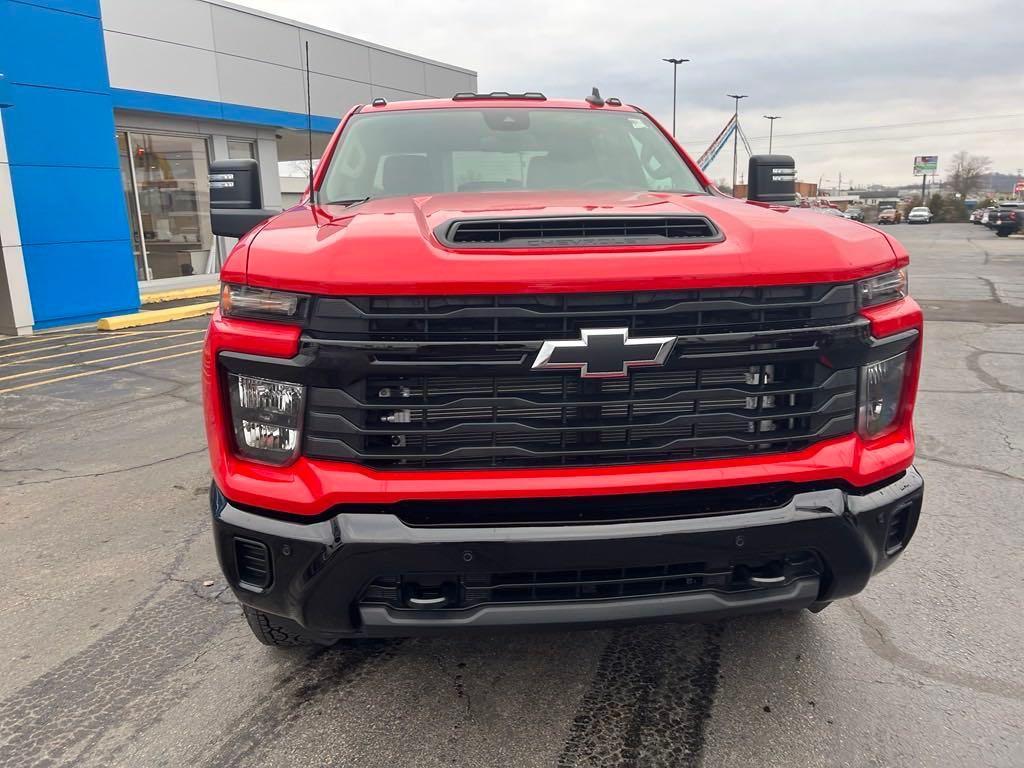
[
  {"x": 15, "y": 305},
  {"x": 225, "y": 53}
]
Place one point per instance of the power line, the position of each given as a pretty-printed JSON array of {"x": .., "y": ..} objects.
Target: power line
[
  {"x": 896, "y": 125},
  {"x": 902, "y": 138},
  {"x": 885, "y": 126}
]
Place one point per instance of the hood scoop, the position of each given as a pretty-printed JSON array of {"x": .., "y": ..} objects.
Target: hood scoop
[{"x": 577, "y": 231}]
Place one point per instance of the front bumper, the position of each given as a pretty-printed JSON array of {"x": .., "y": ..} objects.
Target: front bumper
[{"x": 321, "y": 574}]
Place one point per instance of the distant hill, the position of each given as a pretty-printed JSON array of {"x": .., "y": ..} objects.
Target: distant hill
[{"x": 998, "y": 182}]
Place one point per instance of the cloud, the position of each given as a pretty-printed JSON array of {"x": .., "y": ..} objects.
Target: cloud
[{"x": 822, "y": 66}]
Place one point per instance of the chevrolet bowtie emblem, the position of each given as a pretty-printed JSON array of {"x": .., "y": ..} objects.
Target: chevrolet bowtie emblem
[{"x": 604, "y": 353}]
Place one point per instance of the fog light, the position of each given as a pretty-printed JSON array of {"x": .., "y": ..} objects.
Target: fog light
[
  {"x": 267, "y": 417},
  {"x": 881, "y": 392},
  {"x": 268, "y": 437}
]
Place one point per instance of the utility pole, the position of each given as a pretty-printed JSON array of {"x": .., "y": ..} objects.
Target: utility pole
[
  {"x": 771, "y": 129},
  {"x": 735, "y": 134},
  {"x": 675, "y": 68}
]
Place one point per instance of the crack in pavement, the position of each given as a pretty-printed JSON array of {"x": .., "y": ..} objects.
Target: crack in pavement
[
  {"x": 973, "y": 362},
  {"x": 32, "y": 469},
  {"x": 875, "y": 635},
  {"x": 991, "y": 288},
  {"x": 974, "y": 467},
  {"x": 985, "y": 252},
  {"x": 119, "y": 470}
]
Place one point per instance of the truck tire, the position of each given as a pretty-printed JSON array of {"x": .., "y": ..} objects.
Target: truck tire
[{"x": 276, "y": 631}]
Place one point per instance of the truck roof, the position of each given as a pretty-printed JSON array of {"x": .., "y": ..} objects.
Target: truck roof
[{"x": 500, "y": 100}]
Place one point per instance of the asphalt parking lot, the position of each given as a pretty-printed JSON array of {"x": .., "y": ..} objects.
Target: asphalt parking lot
[{"x": 121, "y": 646}]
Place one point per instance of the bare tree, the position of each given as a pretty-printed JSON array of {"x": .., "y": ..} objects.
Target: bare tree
[{"x": 968, "y": 169}]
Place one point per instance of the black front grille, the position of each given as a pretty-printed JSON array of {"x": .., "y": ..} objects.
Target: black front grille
[
  {"x": 469, "y": 590},
  {"x": 578, "y": 231},
  {"x": 562, "y": 315},
  {"x": 446, "y": 382}
]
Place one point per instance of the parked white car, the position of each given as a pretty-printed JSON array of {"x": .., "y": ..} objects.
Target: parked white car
[{"x": 920, "y": 215}]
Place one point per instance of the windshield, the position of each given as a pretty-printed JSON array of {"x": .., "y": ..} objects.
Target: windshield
[
  {"x": 920, "y": 210},
  {"x": 429, "y": 151}
]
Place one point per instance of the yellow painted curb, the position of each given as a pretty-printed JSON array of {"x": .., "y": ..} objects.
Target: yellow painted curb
[
  {"x": 180, "y": 293},
  {"x": 152, "y": 317}
]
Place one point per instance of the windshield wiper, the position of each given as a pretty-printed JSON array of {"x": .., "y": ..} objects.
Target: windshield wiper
[{"x": 348, "y": 201}]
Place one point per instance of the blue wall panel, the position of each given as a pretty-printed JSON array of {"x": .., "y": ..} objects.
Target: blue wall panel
[
  {"x": 84, "y": 7},
  {"x": 83, "y": 268},
  {"x": 56, "y": 49},
  {"x": 58, "y": 204},
  {"x": 83, "y": 136},
  {"x": 63, "y": 161}
]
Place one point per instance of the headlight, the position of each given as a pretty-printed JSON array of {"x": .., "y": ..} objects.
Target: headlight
[
  {"x": 261, "y": 303},
  {"x": 884, "y": 288},
  {"x": 267, "y": 417},
  {"x": 881, "y": 393}
]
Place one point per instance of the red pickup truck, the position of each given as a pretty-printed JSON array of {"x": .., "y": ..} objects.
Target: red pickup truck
[{"x": 517, "y": 362}]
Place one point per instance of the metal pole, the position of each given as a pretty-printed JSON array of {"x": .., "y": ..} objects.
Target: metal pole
[
  {"x": 675, "y": 91},
  {"x": 675, "y": 69},
  {"x": 735, "y": 136},
  {"x": 771, "y": 129}
]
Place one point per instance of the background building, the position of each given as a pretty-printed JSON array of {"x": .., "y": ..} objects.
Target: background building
[{"x": 112, "y": 112}]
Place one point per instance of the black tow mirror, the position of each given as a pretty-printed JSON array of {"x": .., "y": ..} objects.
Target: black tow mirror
[
  {"x": 236, "y": 202},
  {"x": 772, "y": 179}
]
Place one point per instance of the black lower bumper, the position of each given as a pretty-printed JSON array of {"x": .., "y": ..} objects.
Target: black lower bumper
[{"x": 371, "y": 574}]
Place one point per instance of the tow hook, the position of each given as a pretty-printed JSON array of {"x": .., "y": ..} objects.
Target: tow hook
[
  {"x": 429, "y": 594},
  {"x": 766, "y": 575}
]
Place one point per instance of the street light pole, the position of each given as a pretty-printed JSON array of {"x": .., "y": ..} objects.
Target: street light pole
[
  {"x": 735, "y": 135},
  {"x": 771, "y": 129},
  {"x": 675, "y": 68}
]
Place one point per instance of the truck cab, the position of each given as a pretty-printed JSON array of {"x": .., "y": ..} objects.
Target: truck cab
[{"x": 515, "y": 361}]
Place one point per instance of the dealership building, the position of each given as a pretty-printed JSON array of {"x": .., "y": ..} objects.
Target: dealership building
[{"x": 110, "y": 111}]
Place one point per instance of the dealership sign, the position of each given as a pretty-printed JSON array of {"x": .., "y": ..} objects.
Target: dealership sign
[
  {"x": 926, "y": 164},
  {"x": 1018, "y": 187}
]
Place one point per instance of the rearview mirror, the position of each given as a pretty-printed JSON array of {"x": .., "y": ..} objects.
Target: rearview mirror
[
  {"x": 772, "y": 179},
  {"x": 236, "y": 202}
]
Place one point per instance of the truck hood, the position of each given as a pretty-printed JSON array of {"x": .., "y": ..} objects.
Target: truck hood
[{"x": 388, "y": 246}]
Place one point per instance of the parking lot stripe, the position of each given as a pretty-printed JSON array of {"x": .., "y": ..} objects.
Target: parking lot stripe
[
  {"x": 98, "y": 370},
  {"x": 91, "y": 349},
  {"x": 43, "y": 338},
  {"x": 99, "y": 360},
  {"x": 65, "y": 345}
]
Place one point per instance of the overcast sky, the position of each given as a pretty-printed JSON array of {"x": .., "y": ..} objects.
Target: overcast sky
[{"x": 846, "y": 77}]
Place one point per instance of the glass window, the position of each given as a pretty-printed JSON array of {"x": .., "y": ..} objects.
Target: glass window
[
  {"x": 502, "y": 148},
  {"x": 173, "y": 215},
  {"x": 128, "y": 185},
  {"x": 239, "y": 149}
]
